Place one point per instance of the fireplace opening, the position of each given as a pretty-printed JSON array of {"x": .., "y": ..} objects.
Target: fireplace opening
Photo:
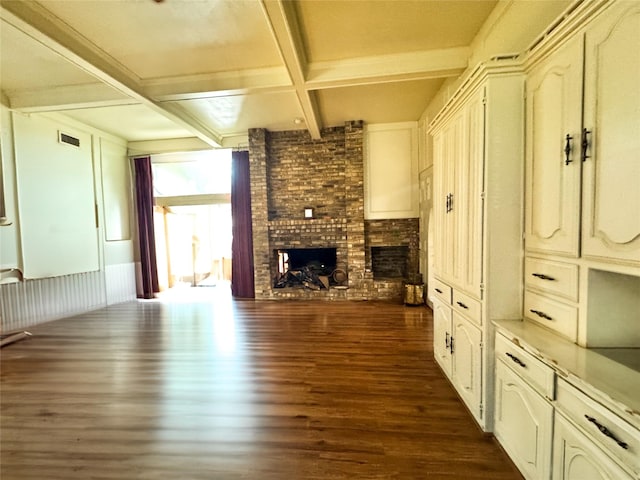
[
  {"x": 307, "y": 267},
  {"x": 389, "y": 262}
]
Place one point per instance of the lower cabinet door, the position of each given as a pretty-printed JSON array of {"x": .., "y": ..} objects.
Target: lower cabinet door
[
  {"x": 576, "y": 457},
  {"x": 442, "y": 335},
  {"x": 523, "y": 423},
  {"x": 466, "y": 362}
]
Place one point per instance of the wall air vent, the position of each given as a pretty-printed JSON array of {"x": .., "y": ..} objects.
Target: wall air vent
[{"x": 68, "y": 139}]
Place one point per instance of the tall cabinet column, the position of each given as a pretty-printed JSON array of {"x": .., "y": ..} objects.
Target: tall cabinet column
[{"x": 478, "y": 170}]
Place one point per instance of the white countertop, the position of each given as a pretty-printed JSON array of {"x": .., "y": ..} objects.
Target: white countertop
[{"x": 612, "y": 383}]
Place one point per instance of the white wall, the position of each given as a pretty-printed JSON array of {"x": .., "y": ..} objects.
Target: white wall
[{"x": 98, "y": 176}]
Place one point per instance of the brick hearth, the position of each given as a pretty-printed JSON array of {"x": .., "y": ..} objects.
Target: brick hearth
[{"x": 290, "y": 172}]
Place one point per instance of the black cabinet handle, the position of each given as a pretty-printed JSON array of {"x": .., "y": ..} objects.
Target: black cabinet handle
[
  {"x": 451, "y": 345},
  {"x": 585, "y": 144},
  {"x": 542, "y": 276},
  {"x": 567, "y": 149},
  {"x": 516, "y": 359},
  {"x": 446, "y": 341},
  {"x": 438, "y": 290},
  {"x": 605, "y": 431},
  {"x": 463, "y": 305},
  {"x": 541, "y": 314}
]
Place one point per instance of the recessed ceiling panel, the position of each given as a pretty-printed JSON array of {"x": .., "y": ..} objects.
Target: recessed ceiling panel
[
  {"x": 235, "y": 115},
  {"x": 157, "y": 39},
  {"x": 132, "y": 122},
  {"x": 28, "y": 65},
  {"x": 381, "y": 103},
  {"x": 338, "y": 29}
]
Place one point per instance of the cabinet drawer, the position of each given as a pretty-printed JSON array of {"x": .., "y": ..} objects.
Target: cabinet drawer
[
  {"x": 442, "y": 291},
  {"x": 556, "y": 278},
  {"x": 535, "y": 372},
  {"x": 551, "y": 314},
  {"x": 609, "y": 431},
  {"x": 469, "y": 307}
]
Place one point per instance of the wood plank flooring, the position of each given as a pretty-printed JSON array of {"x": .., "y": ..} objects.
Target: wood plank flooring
[{"x": 224, "y": 389}]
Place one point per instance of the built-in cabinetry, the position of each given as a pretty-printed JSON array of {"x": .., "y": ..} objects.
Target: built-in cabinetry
[
  {"x": 562, "y": 411},
  {"x": 582, "y": 207},
  {"x": 459, "y": 349},
  {"x": 477, "y": 207}
]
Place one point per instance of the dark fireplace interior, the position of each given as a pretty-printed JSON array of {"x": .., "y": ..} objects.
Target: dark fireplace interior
[
  {"x": 389, "y": 262},
  {"x": 308, "y": 267}
]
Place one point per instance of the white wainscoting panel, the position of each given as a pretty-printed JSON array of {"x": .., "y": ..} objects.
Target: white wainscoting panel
[
  {"x": 24, "y": 304},
  {"x": 120, "y": 281}
]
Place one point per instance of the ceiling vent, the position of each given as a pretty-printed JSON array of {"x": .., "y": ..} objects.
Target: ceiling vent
[{"x": 68, "y": 139}]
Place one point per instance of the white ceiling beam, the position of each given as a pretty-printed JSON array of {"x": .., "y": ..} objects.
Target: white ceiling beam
[
  {"x": 441, "y": 63},
  {"x": 169, "y": 145},
  {"x": 68, "y": 97},
  {"x": 35, "y": 21},
  {"x": 286, "y": 31},
  {"x": 210, "y": 85}
]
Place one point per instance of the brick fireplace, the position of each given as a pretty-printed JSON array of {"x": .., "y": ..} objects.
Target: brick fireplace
[{"x": 291, "y": 173}]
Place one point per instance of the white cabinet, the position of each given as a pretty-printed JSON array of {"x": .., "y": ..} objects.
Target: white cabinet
[
  {"x": 478, "y": 141},
  {"x": 554, "y": 106},
  {"x": 583, "y": 145},
  {"x": 523, "y": 423},
  {"x": 611, "y": 170},
  {"x": 466, "y": 358},
  {"x": 442, "y": 335},
  {"x": 457, "y": 346},
  {"x": 576, "y": 457},
  {"x": 458, "y": 152},
  {"x": 563, "y": 411}
]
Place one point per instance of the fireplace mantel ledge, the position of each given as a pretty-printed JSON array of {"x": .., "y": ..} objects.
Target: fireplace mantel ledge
[{"x": 308, "y": 221}]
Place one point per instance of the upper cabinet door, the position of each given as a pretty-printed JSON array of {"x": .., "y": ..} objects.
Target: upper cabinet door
[
  {"x": 470, "y": 211},
  {"x": 611, "y": 169},
  {"x": 554, "y": 107}
]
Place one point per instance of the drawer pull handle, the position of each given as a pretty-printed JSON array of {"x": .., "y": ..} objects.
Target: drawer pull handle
[
  {"x": 516, "y": 359},
  {"x": 542, "y": 276},
  {"x": 451, "y": 345},
  {"x": 605, "y": 431},
  {"x": 463, "y": 305},
  {"x": 438, "y": 290},
  {"x": 446, "y": 341},
  {"x": 541, "y": 314}
]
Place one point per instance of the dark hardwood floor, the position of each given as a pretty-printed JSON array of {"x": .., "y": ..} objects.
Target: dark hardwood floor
[{"x": 224, "y": 389}]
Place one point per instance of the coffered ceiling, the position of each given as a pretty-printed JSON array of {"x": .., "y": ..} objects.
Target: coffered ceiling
[{"x": 150, "y": 69}]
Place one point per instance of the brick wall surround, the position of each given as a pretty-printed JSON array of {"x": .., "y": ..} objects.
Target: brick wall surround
[{"x": 291, "y": 171}]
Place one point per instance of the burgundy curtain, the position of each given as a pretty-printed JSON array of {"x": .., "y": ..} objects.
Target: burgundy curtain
[
  {"x": 242, "y": 244},
  {"x": 144, "y": 204}
]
